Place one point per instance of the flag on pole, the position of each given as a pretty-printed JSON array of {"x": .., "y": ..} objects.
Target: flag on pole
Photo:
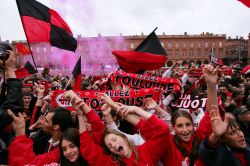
[
  {"x": 42, "y": 24},
  {"x": 149, "y": 55},
  {"x": 77, "y": 75},
  {"x": 26, "y": 71},
  {"x": 22, "y": 49},
  {"x": 245, "y": 2}
]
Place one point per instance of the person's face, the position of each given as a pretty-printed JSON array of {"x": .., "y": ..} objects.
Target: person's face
[
  {"x": 222, "y": 89},
  {"x": 88, "y": 125},
  {"x": 70, "y": 150},
  {"x": 27, "y": 89},
  {"x": 184, "y": 128},
  {"x": 245, "y": 117},
  {"x": 117, "y": 145},
  {"x": 234, "y": 138},
  {"x": 240, "y": 96},
  {"x": 26, "y": 101},
  {"x": 88, "y": 87},
  {"x": 48, "y": 127}
]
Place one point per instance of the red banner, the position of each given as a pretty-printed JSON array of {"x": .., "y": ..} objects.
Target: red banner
[
  {"x": 139, "y": 81},
  {"x": 131, "y": 97},
  {"x": 23, "y": 49}
]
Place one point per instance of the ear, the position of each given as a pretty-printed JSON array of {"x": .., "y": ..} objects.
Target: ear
[{"x": 56, "y": 127}]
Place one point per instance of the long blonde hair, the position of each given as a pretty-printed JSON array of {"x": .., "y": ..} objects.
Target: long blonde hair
[{"x": 117, "y": 158}]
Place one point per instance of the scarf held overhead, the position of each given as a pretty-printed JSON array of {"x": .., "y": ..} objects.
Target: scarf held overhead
[
  {"x": 131, "y": 97},
  {"x": 139, "y": 81}
]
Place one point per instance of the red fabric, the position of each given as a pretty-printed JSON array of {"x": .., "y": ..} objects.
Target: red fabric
[
  {"x": 149, "y": 153},
  {"x": 77, "y": 83},
  {"x": 96, "y": 125},
  {"x": 133, "y": 61},
  {"x": 173, "y": 155},
  {"x": 242, "y": 158},
  {"x": 21, "y": 153},
  {"x": 129, "y": 97},
  {"x": 246, "y": 2},
  {"x": 36, "y": 30},
  {"x": 21, "y": 73},
  {"x": 246, "y": 70},
  {"x": 22, "y": 49},
  {"x": 57, "y": 20},
  {"x": 32, "y": 121}
]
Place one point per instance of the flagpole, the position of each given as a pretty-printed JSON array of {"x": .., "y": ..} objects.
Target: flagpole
[
  {"x": 26, "y": 37},
  {"x": 71, "y": 76}
]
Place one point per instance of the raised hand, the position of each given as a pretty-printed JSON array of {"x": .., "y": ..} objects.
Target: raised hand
[
  {"x": 210, "y": 74},
  {"x": 219, "y": 127},
  {"x": 106, "y": 99},
  {"x": 18, "y": 123},
  {"x": 150, "y": 103}
]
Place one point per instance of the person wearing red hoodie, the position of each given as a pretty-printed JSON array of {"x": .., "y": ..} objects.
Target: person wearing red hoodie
[
  {"x": 183, "y": 147},
  {"x": 119, "y": 151}
]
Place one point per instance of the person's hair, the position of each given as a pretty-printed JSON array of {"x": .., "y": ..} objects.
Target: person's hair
[
  {"x": 62, "y": 117},
  {"x": 71, "y": 135},
  {"x": 180, "y": 113},
  {"x": 236, "y": 92},
  {"x": 195, "y": 145},
  {"x": 114, "y": 157}
]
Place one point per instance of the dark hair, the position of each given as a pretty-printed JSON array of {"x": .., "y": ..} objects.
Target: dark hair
[
  {"x": 180, "y": 113},
  {"x": 114, "y": 157},
  {"x": 195, "y": 145},
  {"x": 72, "y": 135},
  {"x": 62, "y": 117}
]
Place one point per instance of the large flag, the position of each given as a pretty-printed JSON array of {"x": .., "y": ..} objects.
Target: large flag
[
  {"x": 42, "y": 24},
  {"x": 22, "y": 49},
  {"x": 26, "y": 71},
  {"x": 77, "y": 75},
  {"x": 149, "y": 55},
  {"x": 246, "y": 2}
]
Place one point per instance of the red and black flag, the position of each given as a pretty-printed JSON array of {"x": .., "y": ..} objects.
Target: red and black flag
[
  {"x": 22, "y": 49},
  {"x": 26, "y": 71},
  {"x": 42, "y": 24},
  {"x": 245, "y": 2},
  {"x": 149, "y": 55},
  {"x": 77, "y": 75}
]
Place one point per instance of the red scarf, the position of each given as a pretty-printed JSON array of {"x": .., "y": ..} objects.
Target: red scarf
[{"x": 131, "y": 97}]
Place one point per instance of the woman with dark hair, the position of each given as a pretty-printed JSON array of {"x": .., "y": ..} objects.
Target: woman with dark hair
[{"x": 70, "y": 148}]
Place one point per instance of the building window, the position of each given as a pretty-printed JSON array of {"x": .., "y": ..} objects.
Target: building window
[
  {"x": 198, "y": 44},
  {"x": 38, "y": 58},
  {"x": 206, "y": 52},
  {"x": 220, "y": 44},
  {"x": 162, "y": 44},
  {"x": 184, "y": 44},
  {"x": 176, "y": 53},
  {"x": 169, "y": 45},
  {"x": 220, "y": 52},
  {"x": 45, "y": 58},
  {"x": 206, "y": 44},
  {"x": 132, "y": 45},
  {"x": 213, "y": 44},
  {"x": 37, "y": 49},
  {"x": 44, "y": 49},
  {"x": 184, "y": 53},
  {"x": 176, "y": 45},
  {"x": 199, "y": 53},
  {"x": 169, "y": 52},
  {"x": 191, "y": 53},
  {"x": 191, "y": 44}
]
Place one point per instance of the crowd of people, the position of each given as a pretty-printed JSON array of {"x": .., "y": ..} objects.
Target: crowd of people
[{"x": 34, "y": 131}]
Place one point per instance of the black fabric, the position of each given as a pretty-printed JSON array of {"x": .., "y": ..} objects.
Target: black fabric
[
  {"x": 34, "y": 9},
  {"x": 61, "y": 39},
  {"x": 151, "y": 45},
  {"x": 28, "y": 66},
  {"x": 77, "y": 69},
  {"x": 13, "y": 101},
  {"x": 40, "y": 138}
]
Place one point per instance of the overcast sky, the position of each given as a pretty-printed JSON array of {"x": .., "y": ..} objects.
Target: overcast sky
[{"x": 130, "y": 17}]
